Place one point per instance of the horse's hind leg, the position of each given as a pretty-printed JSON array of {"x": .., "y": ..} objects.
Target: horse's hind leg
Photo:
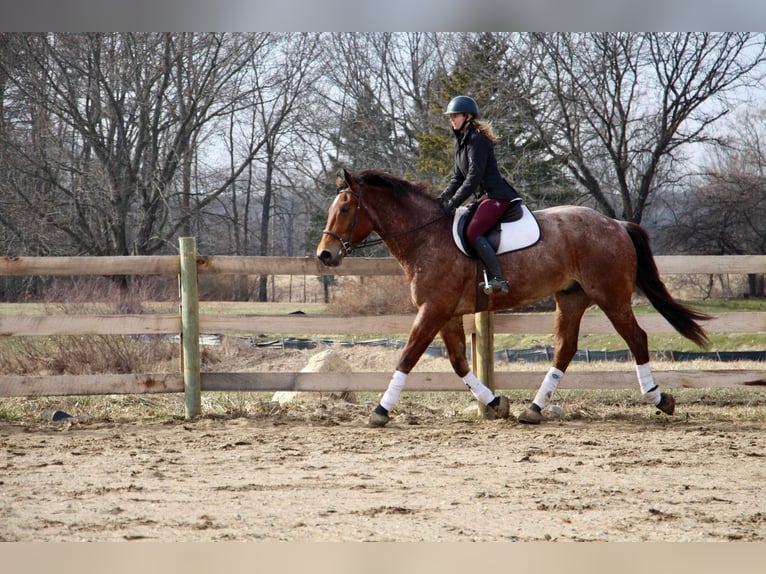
[
  {"x": 624, "y": 321},
  {"x": 453, "y": 335},
  {"x": 570, "y": 306}
]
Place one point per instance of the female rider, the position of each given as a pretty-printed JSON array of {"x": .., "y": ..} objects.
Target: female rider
[{"x": 476, "y": 173}]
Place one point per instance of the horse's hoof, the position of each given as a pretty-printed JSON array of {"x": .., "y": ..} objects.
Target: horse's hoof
[
  {"x": 501, "y": 411},
  {"x": 378, "y": 420},
  {"x": 530, "y": 417},
  {"x": 667, "y": 404}
]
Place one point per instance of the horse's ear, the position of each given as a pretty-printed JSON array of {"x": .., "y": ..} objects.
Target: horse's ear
[
  {"x": 348, "y": 179},
  {"x": 343, "y": 179}
]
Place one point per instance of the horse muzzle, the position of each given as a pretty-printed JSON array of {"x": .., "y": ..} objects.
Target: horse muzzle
[
  {"x": 330, "y": 257},
  {"x": 332, "y": 248}
]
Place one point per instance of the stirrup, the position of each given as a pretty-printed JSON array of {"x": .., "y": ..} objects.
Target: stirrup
[{"x": 495, "y": 284}]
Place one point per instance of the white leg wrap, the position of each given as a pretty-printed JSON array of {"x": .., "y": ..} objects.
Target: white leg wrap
[
  {"x": 395, "y": 386},
  {"x": 548, "y": 387},
  {"x": 479, "y": 390},
  {"x": 649, "y": 389}
]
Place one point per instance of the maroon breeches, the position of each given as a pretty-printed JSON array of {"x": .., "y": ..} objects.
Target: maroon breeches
[{"x": 487, "y": 215}]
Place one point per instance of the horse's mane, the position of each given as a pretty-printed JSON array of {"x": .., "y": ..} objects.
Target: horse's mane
[{"x": 377, "y": 178}]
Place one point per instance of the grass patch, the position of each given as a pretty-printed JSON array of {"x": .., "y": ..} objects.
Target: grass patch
[
  {"x": 710, "y": 306},
  {"x": 721, "y": 405},
  {"x": 657, "y": 342}
]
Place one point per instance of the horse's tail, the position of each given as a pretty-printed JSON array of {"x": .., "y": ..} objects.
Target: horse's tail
[{"x": 683, "y": 319}]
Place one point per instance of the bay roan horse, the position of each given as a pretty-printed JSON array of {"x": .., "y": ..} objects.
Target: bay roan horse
[{"x": 582, "y": 258}]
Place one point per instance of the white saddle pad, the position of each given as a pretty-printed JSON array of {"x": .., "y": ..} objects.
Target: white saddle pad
[{"x": 513, "y": 236}]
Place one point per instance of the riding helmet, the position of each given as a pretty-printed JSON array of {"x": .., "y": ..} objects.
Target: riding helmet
[{"x": 463, "y": 105}]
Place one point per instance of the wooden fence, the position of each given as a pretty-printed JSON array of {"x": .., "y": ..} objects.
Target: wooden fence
[{"x": 188, "y": 323}]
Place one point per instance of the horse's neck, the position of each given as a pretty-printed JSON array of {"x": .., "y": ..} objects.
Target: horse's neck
[
  {"x": 409, "y": 230},
  {"x": 398, "y": 220}
]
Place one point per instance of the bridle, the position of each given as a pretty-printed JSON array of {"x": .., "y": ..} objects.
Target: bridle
[{"x": 347, "y": 245}]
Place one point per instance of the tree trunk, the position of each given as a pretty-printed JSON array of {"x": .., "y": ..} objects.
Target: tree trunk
[{"x": 265, "y": 221}]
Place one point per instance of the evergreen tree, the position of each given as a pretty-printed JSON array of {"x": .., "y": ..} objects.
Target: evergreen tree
[{"x": 484, "y": 70}]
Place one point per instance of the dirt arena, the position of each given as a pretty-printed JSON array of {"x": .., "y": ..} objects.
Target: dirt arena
[{"x": 318, "y": 473}]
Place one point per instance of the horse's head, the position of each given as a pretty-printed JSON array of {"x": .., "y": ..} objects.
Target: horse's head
[{"x": 347, "y": 222}]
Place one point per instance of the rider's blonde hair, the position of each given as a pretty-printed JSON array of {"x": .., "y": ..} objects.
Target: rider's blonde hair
[{"x": 485, "y": 128}]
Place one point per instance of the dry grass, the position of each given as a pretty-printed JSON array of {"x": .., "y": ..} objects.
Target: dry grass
[
  {"x": 371, "y": 296},
  {"x": 723, "y": 404},
  {"x": 86, "y": 355},
  {"x": 736, "y": 406}
]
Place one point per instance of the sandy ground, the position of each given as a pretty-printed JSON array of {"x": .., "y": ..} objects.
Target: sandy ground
[
  {"x": 320, "y": 474},
  {"x": 315, "y": 471}
]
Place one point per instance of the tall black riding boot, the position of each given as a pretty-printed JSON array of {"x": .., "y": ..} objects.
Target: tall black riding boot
[{"x": 487, "y": 255}]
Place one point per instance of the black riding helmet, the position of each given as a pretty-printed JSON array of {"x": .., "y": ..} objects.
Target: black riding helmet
[{"x": 462, "y": 105}]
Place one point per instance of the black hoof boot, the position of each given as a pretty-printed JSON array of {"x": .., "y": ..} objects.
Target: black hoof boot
[
  {"x": 531, "y": 416},
  {"x": 379, "y": 417},
  {"x": 667, "y": 404},
  {"x": 500, "y": 410}
]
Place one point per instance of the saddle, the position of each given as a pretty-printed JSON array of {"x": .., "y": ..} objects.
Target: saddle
[{"x": 516, "y": 229}]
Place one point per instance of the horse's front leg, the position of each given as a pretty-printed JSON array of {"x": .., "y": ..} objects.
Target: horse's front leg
[
  {"x": 453, "y": 335},
  {"x": 423, "y": 330}
]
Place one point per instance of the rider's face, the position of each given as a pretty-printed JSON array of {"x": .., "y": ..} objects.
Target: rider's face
[{"x": 457, "y": 121}]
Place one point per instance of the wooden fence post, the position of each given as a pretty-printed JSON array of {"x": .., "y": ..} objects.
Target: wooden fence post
[
  {"x": 190, "y": 327},
  {"x": 484, "y": 351}
]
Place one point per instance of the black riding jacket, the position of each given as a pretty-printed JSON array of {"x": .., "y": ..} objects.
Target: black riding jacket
[{"x": 475, "y": 170}]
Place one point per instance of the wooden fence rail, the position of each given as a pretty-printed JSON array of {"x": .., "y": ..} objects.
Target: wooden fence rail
[{"x": 188, "y": 323}]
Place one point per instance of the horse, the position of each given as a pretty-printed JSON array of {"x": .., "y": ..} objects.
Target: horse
[{"x": 581, "y": 258}]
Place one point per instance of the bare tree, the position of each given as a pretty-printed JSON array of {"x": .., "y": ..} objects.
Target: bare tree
[
  {"x": 381, "y": 91},
  {"x": 724, "y": 211},
  {"x": 120, "y": 116},
  {"x": 280, "y": 87},
  {"x": 619, "y": 109}
]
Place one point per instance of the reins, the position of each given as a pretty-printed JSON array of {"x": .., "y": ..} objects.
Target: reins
[{"x": 348, "y": 246}]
